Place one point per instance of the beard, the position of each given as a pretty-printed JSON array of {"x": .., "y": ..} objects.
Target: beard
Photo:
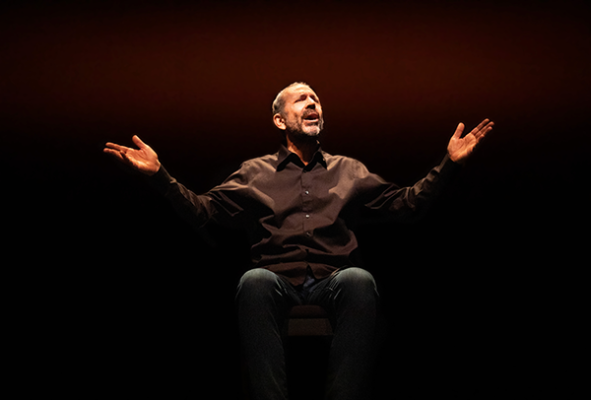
[{"x": 302, "y": 129}]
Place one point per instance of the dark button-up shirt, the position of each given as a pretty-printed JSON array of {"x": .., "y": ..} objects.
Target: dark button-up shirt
[{"x": 301, "y": 217}]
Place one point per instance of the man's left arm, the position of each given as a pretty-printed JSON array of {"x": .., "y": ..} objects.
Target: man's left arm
[{"x": 409, "y": 204}]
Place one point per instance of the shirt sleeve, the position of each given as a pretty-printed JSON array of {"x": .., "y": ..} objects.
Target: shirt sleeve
[
  {"x": 407, "y": 204},
  {"x": 221, "y": 204}
]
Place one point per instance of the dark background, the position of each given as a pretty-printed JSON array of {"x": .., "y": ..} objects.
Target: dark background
[{"x": 112, "y": 288}]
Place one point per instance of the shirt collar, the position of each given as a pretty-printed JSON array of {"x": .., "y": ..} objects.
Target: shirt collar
[{"x": 284, "y": 156}]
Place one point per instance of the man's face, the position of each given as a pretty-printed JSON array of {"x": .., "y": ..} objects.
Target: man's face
[{"x": 302, "y": 112}]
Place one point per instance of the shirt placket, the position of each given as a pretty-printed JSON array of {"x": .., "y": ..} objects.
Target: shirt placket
[{"x": 307, "y": 194}]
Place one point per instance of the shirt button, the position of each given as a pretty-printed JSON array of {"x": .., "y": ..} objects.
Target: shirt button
[
  {"x": 307, "y": 192},
  {"x": 307, "y": 215}
]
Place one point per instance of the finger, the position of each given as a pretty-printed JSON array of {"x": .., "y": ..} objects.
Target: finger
[
  {"x": 458, "y": 133},
  {"x": 481, "y": 126},
  {"x": 489, "y": 127},
  {"x": 485, "y": 130},
  {"x": 115, "y": 153},
  {"x": 114, "y": 146}
]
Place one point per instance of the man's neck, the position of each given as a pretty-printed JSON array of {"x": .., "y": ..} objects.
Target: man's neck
[{"x": 304, "y": 148}]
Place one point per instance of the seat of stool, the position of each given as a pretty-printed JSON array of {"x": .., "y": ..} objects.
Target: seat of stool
[{"x": 307, "y": 320}]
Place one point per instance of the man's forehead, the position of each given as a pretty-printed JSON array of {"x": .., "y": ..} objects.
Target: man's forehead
[{"x": 298, "y": 90}]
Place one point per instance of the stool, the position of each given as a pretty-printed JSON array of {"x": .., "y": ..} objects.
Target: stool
[
  {"x": 307, "y": 320},
  {"x": 303, "y": 322},
  {"x": 308, "y": 334}
]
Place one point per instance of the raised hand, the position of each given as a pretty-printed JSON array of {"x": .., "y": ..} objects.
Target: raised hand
[
  {"x": 460, "y": 148},
  {"x": 143, "y": 159}
]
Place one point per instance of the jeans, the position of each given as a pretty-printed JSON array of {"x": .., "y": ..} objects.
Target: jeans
[{"x": 350, "y": 298}]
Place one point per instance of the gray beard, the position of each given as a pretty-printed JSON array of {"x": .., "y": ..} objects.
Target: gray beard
[{"x": 298, "y": 131}]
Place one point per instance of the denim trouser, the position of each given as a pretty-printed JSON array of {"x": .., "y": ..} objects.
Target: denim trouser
[{"x": 350, "y": 298}]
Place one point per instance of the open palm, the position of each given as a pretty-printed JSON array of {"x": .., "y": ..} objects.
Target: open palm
[
  {"x": 460, "y": 148},
  {"x": 143, "y": 159}
]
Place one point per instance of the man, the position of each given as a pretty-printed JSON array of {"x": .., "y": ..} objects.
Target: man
[{"x": 298, "y": 206}]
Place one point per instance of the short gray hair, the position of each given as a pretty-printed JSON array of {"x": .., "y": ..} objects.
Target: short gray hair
[{"x": 279, "y": 102}]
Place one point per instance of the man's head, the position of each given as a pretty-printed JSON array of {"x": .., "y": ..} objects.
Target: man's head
[{"x": 297, "y": 111}]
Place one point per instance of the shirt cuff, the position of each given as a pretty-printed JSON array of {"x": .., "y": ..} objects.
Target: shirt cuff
[
  {"x": 161, "y": 180},
  {"x": 449, "y": 167}
]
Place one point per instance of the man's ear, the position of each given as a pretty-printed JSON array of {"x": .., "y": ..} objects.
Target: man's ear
[{"x": 279, "y": 121}]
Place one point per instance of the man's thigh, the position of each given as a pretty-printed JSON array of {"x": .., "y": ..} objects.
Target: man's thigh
[
  {"x": 261, "y": 287},
  {"x": 346, "y": 286}
]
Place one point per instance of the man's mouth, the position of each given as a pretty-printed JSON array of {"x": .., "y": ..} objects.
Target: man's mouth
[{"x": 312, "y": 116}]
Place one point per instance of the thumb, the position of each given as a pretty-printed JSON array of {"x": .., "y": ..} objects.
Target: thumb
[
  {"x": 459, "y": 130},
  {"x": 138, "y": 142}
]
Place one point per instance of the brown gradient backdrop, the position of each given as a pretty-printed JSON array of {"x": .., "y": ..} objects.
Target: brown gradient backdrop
[{"x": 196, "y": 81}]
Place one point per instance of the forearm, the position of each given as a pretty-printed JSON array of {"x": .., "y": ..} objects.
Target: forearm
[
  {"x": 409, "y": 204},
  {"x": 191, "y": 207},
  {"x": 423, "y": 194}
]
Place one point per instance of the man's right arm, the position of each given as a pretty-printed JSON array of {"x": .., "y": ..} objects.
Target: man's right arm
[
  {"x": 222, "y": 203},
  {"x": 144, "y": 159}
]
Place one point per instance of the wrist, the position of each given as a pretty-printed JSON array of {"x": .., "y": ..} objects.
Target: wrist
[
  {"x": 457, "y": 160},
  {"x": 158, "y": 165},
  {"x": 153, "y": 170}
]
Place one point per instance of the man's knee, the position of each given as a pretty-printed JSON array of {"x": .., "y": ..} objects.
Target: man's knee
[
  {"x": 357, "y": 277},
  {"x": 358, "y": 283},
  {"x": 255, "y": 281}
]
